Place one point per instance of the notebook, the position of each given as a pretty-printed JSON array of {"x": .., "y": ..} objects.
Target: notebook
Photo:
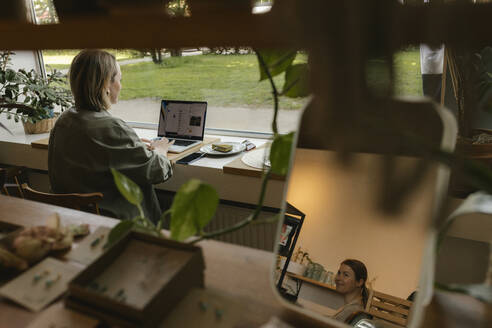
[{"x": 183, "y": 122}]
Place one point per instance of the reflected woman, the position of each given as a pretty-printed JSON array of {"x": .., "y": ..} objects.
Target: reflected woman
[
  {"x": 87, "y": 141},
  {"x": 351, "y": 283}
]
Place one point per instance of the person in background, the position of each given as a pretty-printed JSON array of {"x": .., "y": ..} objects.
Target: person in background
[
  {"x": 87, "y": 141},
  {"x": 431, "y": 68},
  {"x": 350, "y": 281}
]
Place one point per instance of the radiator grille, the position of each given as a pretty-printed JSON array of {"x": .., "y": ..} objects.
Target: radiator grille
[{"x": 260, "y": 236}]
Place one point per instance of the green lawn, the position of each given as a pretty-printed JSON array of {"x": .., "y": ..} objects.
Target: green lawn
[
  {"x": 61, "y": 59},
  {"x": 232, "y": 80},
  {"x": 407, "y": 73}
]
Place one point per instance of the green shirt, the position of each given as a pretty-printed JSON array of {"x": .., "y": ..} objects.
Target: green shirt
[{"x": 84, "y": 145}]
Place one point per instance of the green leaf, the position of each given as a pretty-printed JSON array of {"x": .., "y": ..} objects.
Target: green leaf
[
  {"x": 481, "y": 292},
  {"x": 296, "y": 81},
  {"x": 118, "y": 231},
  {"x": 193, "y": 207},
  {"x": 10, "y": 75},
  {"x": 277, "y": 61},
  {"x": 129, "y": 189},
  {"x": 280, "y": 153}
]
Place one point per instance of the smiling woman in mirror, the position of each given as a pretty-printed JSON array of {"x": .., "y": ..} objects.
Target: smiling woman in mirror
[{"x": 351, "y": 283}]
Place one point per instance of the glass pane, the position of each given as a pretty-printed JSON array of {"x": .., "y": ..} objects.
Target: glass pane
[
  {"x": 226, "y": 78},
  {"x": 343, "y": 222}
]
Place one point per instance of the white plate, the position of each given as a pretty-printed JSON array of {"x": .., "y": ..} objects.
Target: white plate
[
  {"x": 236, "y": 148},
  {"x": 257, "y": 158}
]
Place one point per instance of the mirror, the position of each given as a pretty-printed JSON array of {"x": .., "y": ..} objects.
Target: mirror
[{"x": 341, "y": 218}]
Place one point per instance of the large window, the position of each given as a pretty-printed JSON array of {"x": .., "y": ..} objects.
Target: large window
[{"x": 227, "y": 78}]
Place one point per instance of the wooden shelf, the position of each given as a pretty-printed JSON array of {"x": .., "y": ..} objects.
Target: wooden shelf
[
  {"x": 151, "y": 31},
  {"x": 289, "y": 27},
  {"x": 311, "y": 281}
]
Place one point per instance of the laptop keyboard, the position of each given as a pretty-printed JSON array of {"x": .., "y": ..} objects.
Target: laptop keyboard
[{"x": 182, "y": 142}]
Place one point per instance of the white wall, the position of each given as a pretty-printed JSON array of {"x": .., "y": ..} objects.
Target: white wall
[
  {"x": 26, "y": 60},
  {"x": 341, "y": 221}
]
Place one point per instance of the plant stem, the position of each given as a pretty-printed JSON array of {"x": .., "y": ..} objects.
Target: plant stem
[
  {"x": 274, "y": 92},
  {"x": 148, "y": 223},
  {"x": 163, "y": 216},
  {"x": 268, "y": 220},
  {"x": 251, "y": 218},
  {"x": 266, "y": 176},
  {"x": 19, "y": 106}
]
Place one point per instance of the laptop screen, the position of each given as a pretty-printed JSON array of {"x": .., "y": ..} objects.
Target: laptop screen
[{"x": 182, "y": 119}]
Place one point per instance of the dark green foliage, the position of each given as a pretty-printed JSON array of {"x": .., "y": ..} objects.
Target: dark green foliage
[
  {"x": 280, "y": 153},
  {"x": 29, "y": 96},
  {"x": 193, "y": 207}
]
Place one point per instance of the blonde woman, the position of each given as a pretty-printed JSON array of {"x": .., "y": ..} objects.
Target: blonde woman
[{"x": 87, "y": 141}]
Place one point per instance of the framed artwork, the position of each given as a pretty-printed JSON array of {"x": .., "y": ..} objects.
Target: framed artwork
[{"x": 289, "y": 228}]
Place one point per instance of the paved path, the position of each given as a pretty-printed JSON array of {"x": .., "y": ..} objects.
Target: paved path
[{"x": 236, "y": 118}]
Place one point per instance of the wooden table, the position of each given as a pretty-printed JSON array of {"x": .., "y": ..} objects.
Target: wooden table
[
  {"x": 235, "y": 273},
  {"x": 173, "y": 157}
]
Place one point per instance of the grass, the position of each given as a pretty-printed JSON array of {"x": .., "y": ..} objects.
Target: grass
[
  {"x": 226, "y": 81},
  {"x": 61, "y": 59},
  {"x": 232, "y": 80}
]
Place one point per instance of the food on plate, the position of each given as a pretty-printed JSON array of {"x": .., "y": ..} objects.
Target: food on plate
[{"x": 223, "y": 148}]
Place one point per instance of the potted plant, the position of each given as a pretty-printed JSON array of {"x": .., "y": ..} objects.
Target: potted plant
[
  {"x": 471, "y": 79},
  {"x": 30, "y": 97}
]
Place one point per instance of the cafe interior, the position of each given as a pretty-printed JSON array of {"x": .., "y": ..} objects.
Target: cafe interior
[{"x": 262, "y": 210}]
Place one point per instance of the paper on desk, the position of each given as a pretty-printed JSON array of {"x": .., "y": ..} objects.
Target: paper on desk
[
  {"x": 90, "y": 248},
  {"x": 41, "y": 284}
]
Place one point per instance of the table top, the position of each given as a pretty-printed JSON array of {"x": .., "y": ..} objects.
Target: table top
[{"x": 235, "y": 273}]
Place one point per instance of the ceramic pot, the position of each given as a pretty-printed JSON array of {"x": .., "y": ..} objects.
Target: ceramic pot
[{"x": 294, "y": 267}]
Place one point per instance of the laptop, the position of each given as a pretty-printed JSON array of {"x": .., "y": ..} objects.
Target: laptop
[{"x": 183, "y": 122}]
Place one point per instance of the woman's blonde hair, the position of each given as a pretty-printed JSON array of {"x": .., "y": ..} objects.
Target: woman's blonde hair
[{"x": 91, "y": 72}]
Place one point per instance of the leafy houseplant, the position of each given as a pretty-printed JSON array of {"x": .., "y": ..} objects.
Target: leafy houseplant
[{"x": 29, "y": 97}]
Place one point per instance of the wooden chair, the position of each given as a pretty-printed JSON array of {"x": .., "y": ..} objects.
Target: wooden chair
[
  {"x": 389, "y": 308},
  {"x": 87, "y": 201},
  {"x": 10, "y": 173},
  {"x": 3, "y": 177}
]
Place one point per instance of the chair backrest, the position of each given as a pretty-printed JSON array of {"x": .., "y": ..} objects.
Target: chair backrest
[
  {"x": 87, "y": 201},
  {"x": 9, "y": 173},
  {"x": 3, "y": 176},
  {"x": 389, "y": 308}
]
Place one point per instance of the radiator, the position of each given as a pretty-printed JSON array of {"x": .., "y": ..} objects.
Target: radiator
[{"x": 260, "y": 236}]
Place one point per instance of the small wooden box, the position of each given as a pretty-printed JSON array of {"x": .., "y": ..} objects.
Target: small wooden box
[{"x": 137, "y": 281}]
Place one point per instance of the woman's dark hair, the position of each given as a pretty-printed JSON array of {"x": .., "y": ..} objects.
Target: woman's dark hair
[{"x": 360, "y": 273}]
